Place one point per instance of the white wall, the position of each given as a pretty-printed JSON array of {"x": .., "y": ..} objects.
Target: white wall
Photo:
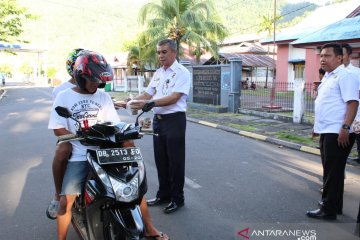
[{"x": 296, "y": 53}]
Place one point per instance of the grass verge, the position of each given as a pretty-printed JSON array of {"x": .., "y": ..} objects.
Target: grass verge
[{"x": 297, "y": 139}]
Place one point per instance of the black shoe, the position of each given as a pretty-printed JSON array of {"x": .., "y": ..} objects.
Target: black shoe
[
  {"x": 173, "y": 206},
  {"x": 319, "y": 214},
  {"x": 321, "y": 204},
  {"x": 157, "y": 201}
]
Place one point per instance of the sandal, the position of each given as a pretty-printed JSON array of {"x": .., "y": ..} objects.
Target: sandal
[{"x": 160, "y": 236}]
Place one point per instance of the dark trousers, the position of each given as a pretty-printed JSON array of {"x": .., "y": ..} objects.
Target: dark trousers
[
  {"x": 333, "y": 159},
  {"x": 169, "y": 152},
  {"x": 358, "y": 216},
  {"x": 358, "y": 144}
]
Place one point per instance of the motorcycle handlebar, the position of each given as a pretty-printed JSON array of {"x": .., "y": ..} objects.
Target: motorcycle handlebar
[
  {"x": 147, "y": 131},
  {"x": 68, "y": 137}
]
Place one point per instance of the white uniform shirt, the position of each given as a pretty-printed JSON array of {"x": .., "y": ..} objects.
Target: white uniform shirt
[
  {"x": 96, "y": 107},
  {"x": 61, "y": 87},
  {"x": 176, "y": 78},
  {"x": 356, "y": 72},
  {"x": 336, "y": 89}
]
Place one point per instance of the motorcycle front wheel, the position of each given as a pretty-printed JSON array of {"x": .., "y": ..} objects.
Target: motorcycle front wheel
[{"x": 112, "y": 228}]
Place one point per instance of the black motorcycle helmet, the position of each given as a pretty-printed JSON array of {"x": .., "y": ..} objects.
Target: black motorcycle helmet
[{"x": 92, "y": 66}]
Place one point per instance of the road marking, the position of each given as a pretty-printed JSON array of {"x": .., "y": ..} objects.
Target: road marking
[
  {"x": 208, "y": 124},
  {"x": 253, "y": 135},
  {"x": 310, "y": 150},
  {"x": 191, "y": 183}
]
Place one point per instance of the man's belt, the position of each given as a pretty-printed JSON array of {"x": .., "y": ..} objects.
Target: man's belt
[{"x": 168, "y": 116}]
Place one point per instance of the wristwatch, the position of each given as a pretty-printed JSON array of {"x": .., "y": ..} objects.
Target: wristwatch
[{"x": 345, "y": 126}]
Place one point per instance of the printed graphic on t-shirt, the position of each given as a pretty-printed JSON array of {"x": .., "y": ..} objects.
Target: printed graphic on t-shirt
[{"x": 86, "y": 112}]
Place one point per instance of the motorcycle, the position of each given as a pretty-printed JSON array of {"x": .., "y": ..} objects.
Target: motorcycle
[{"x": 108, "y": 207}]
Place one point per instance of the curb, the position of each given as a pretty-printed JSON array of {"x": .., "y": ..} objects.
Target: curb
[{"x": 258, "y": 137}]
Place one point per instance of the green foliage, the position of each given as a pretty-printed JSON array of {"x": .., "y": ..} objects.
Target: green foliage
[
  {"x": 242, "y": 127},
  {"x": 297, "y": 139},
  {"x": 192, "y": 22},
  {"x": 101, "y": 26},
  {"x": 11, "y": 20},
  {"x": 26, "y": 69},
  {"x": 267, "y": 24},
  {"x": 136, "y": 56},
  {"x": 110, "y": 26},
  {"x": 51, "y": 71},
  {"x": 289, "y": 12},
  {"x": 6, "y": 68}
]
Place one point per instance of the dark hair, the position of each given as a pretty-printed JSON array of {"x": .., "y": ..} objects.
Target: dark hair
[
  {"x": 347, "y": 47},
  {"x": 321, "y": 71},
  {"x": 172, "y": 44},
  {"x": 337, "y": 48}
]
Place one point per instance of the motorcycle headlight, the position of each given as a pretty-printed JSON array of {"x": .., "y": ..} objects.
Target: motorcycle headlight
[
  {"x": 126, "y": 192},
  {"x": 102, "y": 175},
  {"x": 141, "y": 167}
]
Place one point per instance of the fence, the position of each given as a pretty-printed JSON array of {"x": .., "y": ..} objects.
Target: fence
[
  {"x": 125, "y": 81},
  {"x": 275, "y": 97}
]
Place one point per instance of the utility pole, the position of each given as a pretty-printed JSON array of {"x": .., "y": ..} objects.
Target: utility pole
[{"x": 273, "y": 88}]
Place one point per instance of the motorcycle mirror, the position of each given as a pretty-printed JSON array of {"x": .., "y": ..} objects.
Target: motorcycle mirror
[
  {"x": 148, "y": 106},
  {"x": 63, "y": 112}
]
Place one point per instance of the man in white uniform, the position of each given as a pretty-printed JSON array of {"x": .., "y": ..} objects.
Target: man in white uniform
[
  {"x": 168, "y": 89},
  {"x": 335, "y": 109},
  {"x": 347, "y": 51}
]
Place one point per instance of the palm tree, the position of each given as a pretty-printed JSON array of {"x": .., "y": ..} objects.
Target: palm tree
[
  {"x": 193, "y": 22},
  {"x": 267, "y": 25},
  {"x": 141, "y": 58}
]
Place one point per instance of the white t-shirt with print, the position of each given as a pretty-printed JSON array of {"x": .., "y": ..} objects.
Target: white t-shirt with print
[{"x": 95, "y": 108}]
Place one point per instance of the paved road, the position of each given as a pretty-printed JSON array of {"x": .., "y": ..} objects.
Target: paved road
[{"x": 232, "y": 182}]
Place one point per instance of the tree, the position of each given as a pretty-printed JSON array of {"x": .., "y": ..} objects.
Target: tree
[
  {"x": 26, "y": 69},
  {"x": 6, "y": 68},
  {"x": 136, "y": 56},
  {"x": 193, "y": 22},
  {"x": 11, "y": 20}
]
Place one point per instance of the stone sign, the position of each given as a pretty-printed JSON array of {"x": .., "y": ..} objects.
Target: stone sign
[{"x": 207, "y": 85}]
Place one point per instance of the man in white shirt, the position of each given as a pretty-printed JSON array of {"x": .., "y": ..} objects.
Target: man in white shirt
[
  {"x": 87, "y": 103},
  {"x": 347, "y": 51},
  {"x": 63, "y": 150},
  {"x": 168, "y": 89},
  {"x": 335, "y": 109}
]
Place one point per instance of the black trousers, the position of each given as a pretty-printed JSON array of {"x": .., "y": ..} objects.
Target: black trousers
[
  {"x": 333, "y": 159},
  {"x": 358, "y": 144},
  {"x": 358, "y": 216},
  {"x": 169, "y": 152}
]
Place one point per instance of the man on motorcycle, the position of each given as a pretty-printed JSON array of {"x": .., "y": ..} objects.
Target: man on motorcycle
[
  {"x": 63, "y": 150},
  {"x": 90, "y": 70}
]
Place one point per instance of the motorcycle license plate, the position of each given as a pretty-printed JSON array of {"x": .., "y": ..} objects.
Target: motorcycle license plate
[{"x": 118, "y": 155}]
